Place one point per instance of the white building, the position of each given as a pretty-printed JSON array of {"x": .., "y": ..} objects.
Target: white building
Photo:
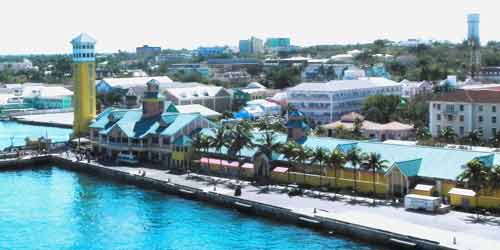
[
  {"x": 108, "y": 84},
  {"x": 17, "y": 66},
  {"x": 465, "y": 111},
  {"x": 269, "y": 108},
  {"x": 411, "y": 89},
  {"x": 327, "y": 102}
]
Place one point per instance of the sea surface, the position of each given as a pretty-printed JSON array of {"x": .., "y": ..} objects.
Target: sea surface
[
  {"x": 16, "y": 133},
  {"x": 51, "y": 208}
]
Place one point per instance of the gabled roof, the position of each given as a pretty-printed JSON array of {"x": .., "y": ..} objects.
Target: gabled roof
[
  {"x": 409, "y": 168},
  {"x": 133, "y": 125},
  {"x": 470, "y": 96},
  {"x": 83, "y": 38}
]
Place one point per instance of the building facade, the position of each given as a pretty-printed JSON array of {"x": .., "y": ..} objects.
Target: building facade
[
  {"x": 84, "y": 83},
  {"x": 212, "y": 51},
  {"x": 147, "y": 51},
  {"x": 212, "y": 97},
  {"x": 411, "y": 89},
  {"x": 157, "y": 132},
  {"x": 275, "y": 43},
  {"x": 327, "y": 102},
  {"x": 465, "y": 111},
  {"x": 253, "y": 45}
]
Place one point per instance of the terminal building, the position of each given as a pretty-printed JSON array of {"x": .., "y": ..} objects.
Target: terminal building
[{"x": 157, "y": 132}]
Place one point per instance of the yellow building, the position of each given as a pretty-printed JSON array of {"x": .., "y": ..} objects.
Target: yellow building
[{"x": 84, "y": 83}]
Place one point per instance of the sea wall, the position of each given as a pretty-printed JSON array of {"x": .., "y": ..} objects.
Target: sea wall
[{"x": 325, "y": 224}]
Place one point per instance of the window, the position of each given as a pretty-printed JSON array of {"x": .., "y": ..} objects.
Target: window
[
  {"x": 438, "y": 117},
  {"x": 493, "y": 119},
  {"x": 462, "y": 130},
  {"x": 450, "y": 118},
  {"x": 493, "y": 132},
  {"x": 439, "y": 106},
  {"x": 461, "y": 107},
  {"x": 493, "y": 108},
  {"x": 461, "y": 118},
  {"x": 480, "y": 118},
  {"x": 438, "y": 128},
  {"x": 480, "y": 107}
]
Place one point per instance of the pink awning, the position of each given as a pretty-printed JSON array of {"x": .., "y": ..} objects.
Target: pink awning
[
  {"x": 280, "y": 170},
  {"x": 210, "y": 161},
  {"x": 233, "y": 164},
  {"x": 247, "y": 165}
]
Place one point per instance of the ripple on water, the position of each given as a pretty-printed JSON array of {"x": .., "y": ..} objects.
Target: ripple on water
[{"x": 56, "y": 209}]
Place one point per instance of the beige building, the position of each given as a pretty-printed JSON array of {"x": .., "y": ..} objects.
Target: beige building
[
  {"x": 369, "y": 129},
  {"x": 465, "y": 111},
  {"x": 212, "y": 97}
]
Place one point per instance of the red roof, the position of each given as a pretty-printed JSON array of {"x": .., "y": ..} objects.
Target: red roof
[{"x": 471, "y": 96}]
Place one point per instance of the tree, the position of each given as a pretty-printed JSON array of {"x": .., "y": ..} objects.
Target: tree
[
  {"x": 495, "y": 141},
  {"x": 474, "y": 137},
  {"x": 219, "y": 140},
  {"x": 374, "y": 162},
  {"x": 290, "y": 150},
  {"x": 268, "y": 144},
  {"x": 475, "y": 176},
  {"x": 320, "y": 155},
  {"x": 302, "y": 156},
  {"x": 336, "y": 160},
  {"x": 494, "y": 178},
  {"x": 379, "y": 108},
  {"x": 239, "y": 137},
  {"x": 357, "y": 126},
  {"x": 283, "y": 77},
  {"x": 201, "y": 142},
  {"x": 423, "y": 133},
  {"x": 355, "y": 157},
  {"x": 447, "y": 135}
]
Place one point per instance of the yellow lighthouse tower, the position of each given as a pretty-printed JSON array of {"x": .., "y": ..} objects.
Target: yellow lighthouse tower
[{"x": 84, "y": 83}]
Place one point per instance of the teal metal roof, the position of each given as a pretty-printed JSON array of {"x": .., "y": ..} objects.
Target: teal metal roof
[
  {"x": 133, "y": 125},
  {"x": 409, "y": 168},
  {"x": 423, "y": 161},
  {"x": 183, "y": 141}
]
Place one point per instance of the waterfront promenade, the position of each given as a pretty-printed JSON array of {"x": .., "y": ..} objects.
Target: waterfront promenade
[
  {"x": 441, "y": 229},
  {"x": 445, "y": 229}
]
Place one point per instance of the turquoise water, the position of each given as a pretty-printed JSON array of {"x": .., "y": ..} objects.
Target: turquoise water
[
  {"x": 18, "y": 132},
  {"x": 56, "y": 209}
]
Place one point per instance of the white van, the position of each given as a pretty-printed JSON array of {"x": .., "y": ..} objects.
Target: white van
[{"x": 127, "y": 158}]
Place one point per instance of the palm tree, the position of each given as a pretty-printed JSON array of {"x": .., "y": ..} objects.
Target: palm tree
[
  {"x": 302, "y": 156},
  {"x": 447, "y": 134},
  {"x": 290, "y": 150},
  {"x": 201, "y": 142},
  {"x": 219, "y": 140},
  {"x": 474, "y": 137},
  {"x": 240, "y": 137},
  {"x": 475, "y": 176},
  {"x": 336, "y": 159},
  {"x": 496, "y": 140},
  {"x": 355, "y": 157},
  {"x": 423, "y": 133},
  {"x": 494, "y": 178},
  {"x": 320, "y": 155},
  {"x": 357, "y": 126},
  {"x": 375, "y": 163},
  {"x": 268, "y": 144}
]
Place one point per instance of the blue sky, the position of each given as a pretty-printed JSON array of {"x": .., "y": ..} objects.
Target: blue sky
[{"x": 35, "y": 26}]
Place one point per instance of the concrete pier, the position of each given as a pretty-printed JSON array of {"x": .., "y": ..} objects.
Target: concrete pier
[{"x": 392, "y": 232}]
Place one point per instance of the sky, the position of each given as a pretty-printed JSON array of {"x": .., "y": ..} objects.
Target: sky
[{"x": 36, "y": 26}]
